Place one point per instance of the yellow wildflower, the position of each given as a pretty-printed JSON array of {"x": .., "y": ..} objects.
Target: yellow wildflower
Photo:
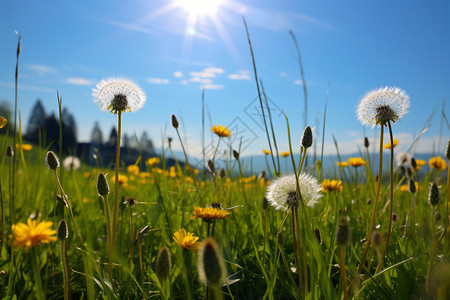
[
  {"x": 356, "y": 161},
  {"x": 32, "y": 233},
  {"x": 284, "y": 153},
  {"x": 419, "y": 164},
  {"x": 153, "y": 161},
  {"x": 25, "y": 147},
  {"x": 405, "y": 187},
  {"x": 86, "y": 200},
  {"x": 122, "y": 179},
  {"x": 437, "y": 163},
  {"x": 133, "y": 169},
  {"x": 87, "y": 174},
  {"x": 388, "y": 145},
  {"x": 2, "y": 122},
  {"x": 145, "y": 175},
  {"x": 221, "y": 131},
  {"x": 210, "y": 213},
  {"x": 186, "y": 240},
  {"x": 266, "y": 152},
  {"x": 342, "y": 164},
  {"x": 332, "y": 185}
]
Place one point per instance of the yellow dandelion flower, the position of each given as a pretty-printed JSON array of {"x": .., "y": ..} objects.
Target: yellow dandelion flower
[
  {"x": 123, "y": 179},
  {"x": 186, "y": 240},
  {"x": 284, "y": 153},
  {"x": 388, "y": 145},
  {"x": 221, "y": 131},
  {"x": 266, "y": 152},
  {"x": 210, "y": 213},
  {"x": 356, "y": 162},
  {"x": 437, "y": 163},
  {"x": 86, "y": 200},
  {"x": 32, "y": 233},
  {"x": 3, "y": 122},
  {"x": 419, "y": 164},
  {"x": 133, "y": 169},
  {"x": 145, "y": 175},
  {"x": 25, "y": 147},
  {"x": 332, "y": 185},
  {"x": 153, "y": 161},
  {"x": 342, "y": 164},
  {"x": 87, "y": 174}
]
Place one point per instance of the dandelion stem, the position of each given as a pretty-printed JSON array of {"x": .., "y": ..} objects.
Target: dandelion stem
[
  {"x": 116, "y": 183},
  {"x": 434, "y": 244},
  {"x": 297, "y": 258},
  {"x": 65, "y": 269},
  {"x": 375, "y": 204},
  {"x": 36, "y": 273},
  {"x": 343, "y": 273},
  {"x": 391, "y": 203}
]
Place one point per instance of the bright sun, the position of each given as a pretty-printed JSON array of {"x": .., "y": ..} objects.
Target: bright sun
[{"x": 197, "y": 8}]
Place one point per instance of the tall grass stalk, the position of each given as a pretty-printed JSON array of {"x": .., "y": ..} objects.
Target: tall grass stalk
[
  {"x": 276, "y": 171},
  {"x": 375, "y": 204}
]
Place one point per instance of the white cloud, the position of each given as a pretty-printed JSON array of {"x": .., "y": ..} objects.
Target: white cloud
[
  {"x": 297, "y": 82},
  {"x": 41, "y": 69},
  {"x": 184, "y": 81},
  {"x": 201, "y": 80},
  {"x": 212, "y": 86},
  {"x": 155, "y": 80},
  {"x": 240, "y": 75},
  {"x": 214, "y": 70},
  {"x": 78, "y": 81},
  {"x": 202, "y": 74},
  {"x": 178, "y": 74}
]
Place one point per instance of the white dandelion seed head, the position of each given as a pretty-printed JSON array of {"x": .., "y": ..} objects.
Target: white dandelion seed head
[
  {"x": 403, "y": 159},
  {"x": 378, "y": 107},
  {"x": 281, "y": 191},
  {"x": 118, "y": 95},
  {"x": 71, "y": 163}
]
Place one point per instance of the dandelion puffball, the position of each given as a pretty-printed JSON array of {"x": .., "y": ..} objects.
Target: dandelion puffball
[
  {"x": 281, "y": 193},
  {"x": 378, "y": 107},
  {"x": 118, "y": 95}
]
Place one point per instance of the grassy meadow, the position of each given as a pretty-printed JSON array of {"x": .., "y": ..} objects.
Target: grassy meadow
[{"x": 149, "y": 230}]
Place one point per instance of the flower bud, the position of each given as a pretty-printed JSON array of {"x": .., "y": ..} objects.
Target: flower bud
[
  {"x": 412, "y": 186},
  {"x": 51, "y": 160},
  {"x": 366, "y": 142},
  {"x": 102, "y": 185},
  {"x": 210, "y": 264},
  {"x": 433, "y": 195},
  {"x": 236, "y": 154},
  {"x": 175, "y": 123},
  {"x": 222, "y": 172},
  {"x": 163, "y": 264},
  {"x": 9, "y": 151},
  {"x": 318, "y": 235},
  {"x": 307, "y": 137},
  {"x": 343, "y": 232},
  {"x": 63, "y": 231},
  {"x": 265, "y": 203}
]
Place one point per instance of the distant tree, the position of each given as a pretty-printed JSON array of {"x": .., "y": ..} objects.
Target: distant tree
[
  {"x": 126, "y": 141},
  {"x": 69, "y": 130},
  {"x": 113, "y": 136},
  {"x": 97, "y": 134},
  {"x": 146, "y": 143},
  {"x": 51, "y": 127},
  {"x": 36, "y": 122}
]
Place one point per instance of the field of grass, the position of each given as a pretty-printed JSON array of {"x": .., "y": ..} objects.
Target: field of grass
[{"x": 255, "y": 241}]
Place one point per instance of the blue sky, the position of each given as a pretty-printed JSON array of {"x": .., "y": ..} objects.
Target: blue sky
[{"x": 356, "y": 45}]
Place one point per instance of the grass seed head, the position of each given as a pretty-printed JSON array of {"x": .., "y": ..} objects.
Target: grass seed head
[
  {"x": 447, "y": 152},
  {"x": 343, "y": 232},
  {"x": 412, "y": 186},
  {"x": 366, "y": 142},
  {"x": 236, "y": 154}
]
